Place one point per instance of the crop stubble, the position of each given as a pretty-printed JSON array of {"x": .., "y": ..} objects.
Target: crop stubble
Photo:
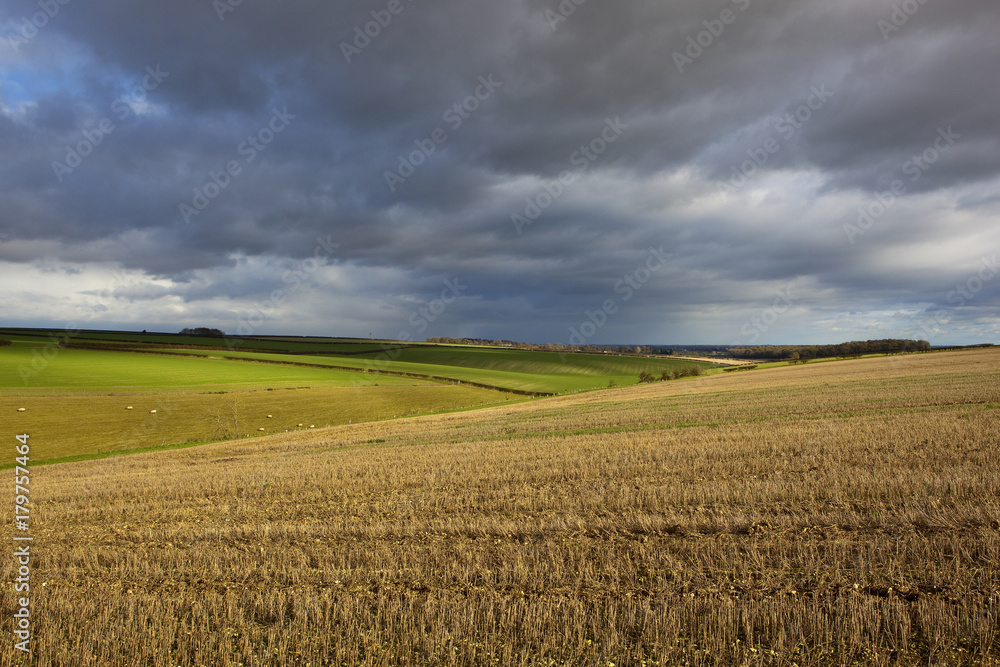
[{"x": 836, "y": 513}]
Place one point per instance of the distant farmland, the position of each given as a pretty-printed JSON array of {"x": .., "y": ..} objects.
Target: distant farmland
[
  {"x": 833, "y": 514},
  {"x": 515, "y": 370},
  {"x": 202, "y": 391}
]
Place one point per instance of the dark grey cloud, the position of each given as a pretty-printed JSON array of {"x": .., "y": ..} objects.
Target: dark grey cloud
[{"x": 807, "y": 111}]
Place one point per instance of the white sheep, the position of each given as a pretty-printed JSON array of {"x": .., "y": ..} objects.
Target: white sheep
[
  {"x": 261, "y": 428},
  {"x": 152, "y": 412},
  {"x": 269, "y": 417},
  {"x": 22, "y": 409},
  {"x": 128, "y": 407}
]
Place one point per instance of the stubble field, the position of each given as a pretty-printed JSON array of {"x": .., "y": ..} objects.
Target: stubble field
[{"x": 842, "y": 513}]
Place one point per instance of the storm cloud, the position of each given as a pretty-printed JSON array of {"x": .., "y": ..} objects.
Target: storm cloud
[{"x": 324, "y": 168}]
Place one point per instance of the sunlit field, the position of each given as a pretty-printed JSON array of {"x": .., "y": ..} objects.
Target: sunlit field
[
  {"x": 87, "y": 402},
  {"x": 843, "y": 513}
]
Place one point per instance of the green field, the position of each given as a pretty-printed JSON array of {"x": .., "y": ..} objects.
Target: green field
[
  {"x": 82, "y": 402},
  {"x": 78, "y": 400},
  {"x": 517, "y": 370},
  {"x": 535, "y": 362},
  {"x": 63, "y": 427},
  {"x": 87, "y": 371},
  {"x": 509, "y": 369}
]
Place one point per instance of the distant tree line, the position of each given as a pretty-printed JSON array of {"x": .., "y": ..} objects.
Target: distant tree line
[
  {"x": 693, "y": 371},
  {"x": 555, "y": 347},
  {"x": 806, "y": 352},
  {"x": 203, "y": 331},
  {"x": 4, "y": 343}
]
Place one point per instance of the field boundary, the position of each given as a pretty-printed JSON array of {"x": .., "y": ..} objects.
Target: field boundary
[
  {"x": 416, "y": 376},
  {"x": 151, "y": 347},
  {"x": 419, "y": 376}
]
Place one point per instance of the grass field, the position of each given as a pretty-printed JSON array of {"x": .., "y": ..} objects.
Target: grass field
[
  {"x": 519, "y": 370},
  {"x": 509, "y": 369},
  {"x": 838, "y": 514},
  {"x": 77, "y": 400},
  {"x": 94, "y": 371},
  {"x": 604, "y": 366},
  {"x": 81, "y": 426}
]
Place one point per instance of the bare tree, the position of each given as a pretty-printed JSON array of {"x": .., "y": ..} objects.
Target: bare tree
[{"x": 227, "y": 414}]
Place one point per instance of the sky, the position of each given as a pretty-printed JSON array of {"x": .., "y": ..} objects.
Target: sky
[{"x": 578, "y": 171}]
